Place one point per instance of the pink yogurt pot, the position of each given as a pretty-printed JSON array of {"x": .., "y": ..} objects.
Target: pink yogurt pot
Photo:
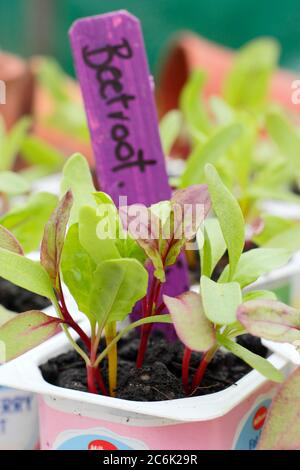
[{"x": 69, "y": 419}]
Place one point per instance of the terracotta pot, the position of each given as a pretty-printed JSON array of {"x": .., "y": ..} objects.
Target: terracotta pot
[
  {"x": 19, "y": 85},
  {"x": 188, "y": 52}
]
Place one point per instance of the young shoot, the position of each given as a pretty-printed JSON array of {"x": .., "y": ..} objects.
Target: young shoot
[
  {"x": 226, "y": 308},
  {"x": 101, "y": 268}
]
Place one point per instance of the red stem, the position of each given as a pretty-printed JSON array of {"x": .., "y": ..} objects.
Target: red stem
[
  {"x": 148, "y": 310},
  {"x": 159, "y": 309},
  {"x": 185, "y": 369},
  {"x": 69, "y": 320},
  {"x": 199, "y": 373},
  {"x": 100, "y": 382},
  {"x": 146, "y": 329},
  {"x": 91, "y": 379}
]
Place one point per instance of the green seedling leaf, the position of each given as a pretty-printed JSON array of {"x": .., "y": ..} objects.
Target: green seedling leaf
[
  {"x": 95, "y": 234},
  {"x": 117, "y": 286},
  {"x": 259, "y": 294},
  {"x": 288, "y": 239},
  {"x": 6, "y": 315},
  {"x": 223, "y": 113},
  {"x": 13, "y": 184},
  {"x": 273, "y": 226},
  {"x": 77, "y": 269},
  {"x": 25, "y": 273},
  {"x": 192, "y": 105},
  {"x": 229, "y": 215},
  {"x": 248, "y": 82},
  {"x": 27, "y": 221},
  {"x": 11, "y": 144},
  {"x": 170, "y": 127},
  {"x": 272, "y": 320},
  {"x": 26, "y": 331},
  {"x": 77, "y": 178},
  {"x": 52, "y": 77},
  {"x": 37, "y": 152},
  {"x": 126, "y": 245},
  {"x": 254, "y": 263},
  {"x": 213, "y": 248},
  {"x": 54, "y": 236},
  {"x": 9, "y": 242},
  {"x": 263, "y": 366},
  {"x": 281, "y": 430},
  {"x": 286, "y": 137},
  {"x": 210, "y": 152},
  {"x": 220, "y": 301},
  {"x": 191, "y": 325}
]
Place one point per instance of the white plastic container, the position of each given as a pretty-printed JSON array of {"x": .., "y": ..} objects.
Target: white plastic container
[{"x": 230, "y": 419}]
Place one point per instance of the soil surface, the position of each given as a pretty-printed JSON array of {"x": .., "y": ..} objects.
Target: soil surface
[
  {"x": 160, "y": 377},
  {"x": 20, "y": 300}
]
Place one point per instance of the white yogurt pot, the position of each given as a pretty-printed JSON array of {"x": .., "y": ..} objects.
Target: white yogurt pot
[{"x": 69, "y": 419}]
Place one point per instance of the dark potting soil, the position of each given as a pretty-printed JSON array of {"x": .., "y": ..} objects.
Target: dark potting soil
[
  {"x": 20, "y": 300},
  {"x": 160, "y": 377}
]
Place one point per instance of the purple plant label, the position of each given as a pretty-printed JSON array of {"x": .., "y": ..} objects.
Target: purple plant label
[{"x": 112, "y": 69}]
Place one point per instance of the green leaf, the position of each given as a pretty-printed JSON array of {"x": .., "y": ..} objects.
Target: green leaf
[
  {"x": 5, "y": 316},
  {"x": 272, "y": 226},
  {"x": 192, "y": 105},
  {"x": 286, "y": 137},
  {"x": 117, "y": 286},
  {"x": 229, "y": 215},
  {"x": 37, "y": 152},
  {"x": 220, "y": 301},
  {"x": 248, "y": 82},
  {"x": 97, "y": 242},
  {"x": 77, "y": 178},
  {"x": 213, "y": 248},
  {"x": 212, "y": 150},
  {"x": 169, "y": 128},
  {"x": 254, "y": 263},
  {"x": 25, "y": 273},
  {"x": 191, "y": 325},
  {"x": 77, "y": 269},
  {"x": 13, "y": 184},
  {"x": 27, "y": 221},
  {"x": 9, "y": 242},
  {"x": 263, "y": 366},
  {"x": 26, "y": 331},
  {"x": 10, "y": 146},
  {"x": 281, "y": 430},
  {"x": 259, "y": 294},
  {"x": 52, "y": 77},
  {"x": 223, "y": 113},
  {"x": 288, "y": 239},
  {"x": 272, "y": 320},
  {"x": 53, "y": 240}
]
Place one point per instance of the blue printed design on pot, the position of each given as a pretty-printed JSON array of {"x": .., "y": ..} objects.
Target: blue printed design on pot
[
  {"x": 96, "y": 439},
  {"x": 250, "y": 429}
]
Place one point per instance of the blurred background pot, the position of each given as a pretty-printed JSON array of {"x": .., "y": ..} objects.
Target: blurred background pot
[
  {"x": 188, "y": 52},
  {"x": 19, "y": 84}
]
